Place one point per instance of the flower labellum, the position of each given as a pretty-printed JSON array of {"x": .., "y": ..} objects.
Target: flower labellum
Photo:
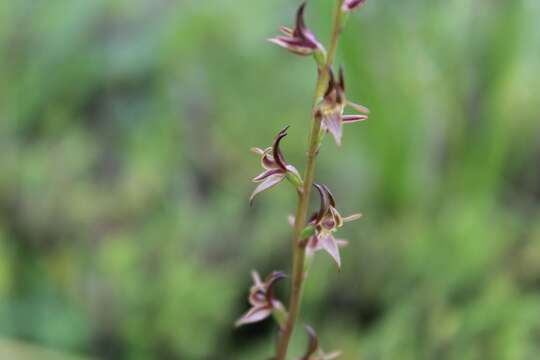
[
  {"x": 275, "y": 167},
  {"x": 299, "y": 40},
  {"x": 333, "y": 105},
  {"x": 350, "y": 5},
  {"x": 262, "y": 299},
  {"x": 314, "y": 351}
]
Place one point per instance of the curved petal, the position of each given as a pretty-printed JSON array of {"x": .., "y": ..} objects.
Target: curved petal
[
  {"x": 286, "y": 30},
  {"x": 329, "y": 244},
  {"x": 276, "y": 152},
  {"x": 331, "y": 83},
  {"x": 300, "y": 25},
  {"x": 302, "y": 32},
  {"x": 294, "y": 45},
  {"x": 353, "y": 118},
  {"x": 360, "y": 108},
  {"x": 352, "y": 217},
  {"x": 266, "y": 174},
  {"x": 257, "y": 282},
  {"x": 270, "y": 181},
  {"x": 341, "y": 80},
  {"x": 253, "y": 315},
  {"x": 273, "y": 277},
  {"x": 330, "y": 196},
  {"x": 340, "y": 87},
  {"x": 325, "y": 203},
  {"x": 313, "y": 344},
  {"x": 270, "y": 281},
  {"x": 332, "y": 122},
  {"x": 293, "y": 170}
]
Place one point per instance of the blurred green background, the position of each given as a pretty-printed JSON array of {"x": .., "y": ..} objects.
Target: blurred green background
[{"x": 125, "y": 230}]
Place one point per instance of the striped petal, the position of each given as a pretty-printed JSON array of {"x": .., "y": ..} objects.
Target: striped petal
[
  {"x": 270, "y": 181},
  {"x": 329, "y": 244},
  {"x": 276, "y": 152},
  {"x": 266, "y": 174},
  {"x": 332, "y": 123},
  {"x": 294, "y": 45},
  {"x": 325, "y": 202},
  {"x": 253, "y": 315},
  {"x": 353, "y": 118},
  {"x": 286, "y": 30}
]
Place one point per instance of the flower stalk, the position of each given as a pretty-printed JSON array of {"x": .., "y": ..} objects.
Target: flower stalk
[
  {"x": 316, "y": 232},
  {"x": 299, "y": 246}
]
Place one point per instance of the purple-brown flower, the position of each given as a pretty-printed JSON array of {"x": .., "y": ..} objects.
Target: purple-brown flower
[
  {"x": 261, "y": 298},
  {"x": 350, "y": 5},
  {"x": 314, "y": 351},
  {"x": 326, "y": 221},
  {"x": 299, "y": 40},
  {"x": 275, "y": 167},
  {"x": 333, "y": 105}
]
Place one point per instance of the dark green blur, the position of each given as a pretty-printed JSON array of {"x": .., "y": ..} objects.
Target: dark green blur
[{"x": 125, "y": 228}]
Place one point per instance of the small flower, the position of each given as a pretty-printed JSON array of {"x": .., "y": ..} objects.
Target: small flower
[
  {"x": 275, "y": 167},
  {"x": 314, "y": 351},
  {"x": 350, "y": 5},
  {"x": 333, "y": 104},
  {"x": 301, "y": 40},
  {"x": 261, "y": 298},
  {"x": 326, "y": 221}
]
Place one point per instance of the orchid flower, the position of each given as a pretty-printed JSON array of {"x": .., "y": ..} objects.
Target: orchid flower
[
  {"x": 299, "y": 40},
  {"x": 314, "y": 351},
  {"x": 326, "y": 221},
  {"x": 262, "y": 299},
  {"x": 333, "y": 105},
  {"x": 275, "y": 167}
]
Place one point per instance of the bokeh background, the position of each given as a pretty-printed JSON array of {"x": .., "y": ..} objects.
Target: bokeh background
[{"x": 125, "y": 230}]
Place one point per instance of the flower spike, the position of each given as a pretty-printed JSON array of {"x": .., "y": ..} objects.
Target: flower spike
[
  {"x": 261, "y": 298},
  {"x": 333, "y": 105},
  {"x": 275, "y": 167},
  {"x": 316, "y": 232},
  {"x": 314, "y": 351},
  {"x": 350, "y": 5},
  {"x": 299, "y": 40}
]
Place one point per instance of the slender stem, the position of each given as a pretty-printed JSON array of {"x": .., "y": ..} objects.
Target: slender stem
[
  {"x": 336, "y": 31},
  {"x": 299, "y": 253}
]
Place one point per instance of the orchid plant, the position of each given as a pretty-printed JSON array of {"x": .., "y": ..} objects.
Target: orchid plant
[{"x": 316, "y": 232}]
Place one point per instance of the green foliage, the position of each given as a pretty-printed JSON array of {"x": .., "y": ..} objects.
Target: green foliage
[{"x": 125, "y": 230}]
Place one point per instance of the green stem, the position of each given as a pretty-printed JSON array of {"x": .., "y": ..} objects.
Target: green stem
[{"x": 299, "y": 246}]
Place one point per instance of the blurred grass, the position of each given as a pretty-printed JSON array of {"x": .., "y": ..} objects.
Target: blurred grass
[
  {"x": 124, "y": 225},
  {"x": 21, "y": 351}
]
